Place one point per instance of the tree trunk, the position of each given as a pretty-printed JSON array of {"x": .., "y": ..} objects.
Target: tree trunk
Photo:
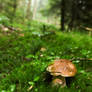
[
  {"x": 71, "y": 24},
  {"x": 29, "y": 10},
  {"x": 1, "y": 7},
  {"x": 14, "y": 10},
  {"x": 62, "y": 15},
  {"x": 73, "y": 11},
  {"x": 34, "y": 9}
]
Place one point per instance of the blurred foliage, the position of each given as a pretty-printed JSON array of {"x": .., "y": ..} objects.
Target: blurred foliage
[{"x": 77, "y": 13}]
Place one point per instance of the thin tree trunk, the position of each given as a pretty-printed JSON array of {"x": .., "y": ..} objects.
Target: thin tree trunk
[
  {"x": 29, "y": 10},
  {"x": 34, "y": 9},
  {"x": 14, "y": 10},
  {"x": 62, "y": 15},
  {"x": 71, "y": 24},
  {"x": 1, "y": 7},
  {"x": 73, "y": 20}
]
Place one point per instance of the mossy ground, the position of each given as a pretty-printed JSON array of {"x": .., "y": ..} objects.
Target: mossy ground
[{"x": 22, "y": 64}]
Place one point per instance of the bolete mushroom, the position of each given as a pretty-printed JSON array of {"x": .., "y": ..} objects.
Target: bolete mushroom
[{"x": 60, "y": 69}]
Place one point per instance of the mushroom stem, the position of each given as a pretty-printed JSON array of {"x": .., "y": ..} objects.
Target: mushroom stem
[{"x": 59, "y": 81}]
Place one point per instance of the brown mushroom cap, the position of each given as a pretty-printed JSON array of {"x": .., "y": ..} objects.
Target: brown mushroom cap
[
  {"x": 43, "y": 49},
  {"x": 62, "y": 67}
]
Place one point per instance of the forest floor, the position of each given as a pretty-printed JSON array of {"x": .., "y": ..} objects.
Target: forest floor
[{"x": 23, "y": 63}]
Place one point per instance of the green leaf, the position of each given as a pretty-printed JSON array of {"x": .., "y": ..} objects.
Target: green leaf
[
  {"x": 29, "y": 56},
  {"x": 36, "y": 78},
  {"x": 31, "y": 83},
  {"x": 12, "y": 88}
]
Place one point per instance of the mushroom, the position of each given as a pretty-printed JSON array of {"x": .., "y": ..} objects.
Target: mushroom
[
  {"x": 61, "y": 68},
  {"x": 43, "y": 49}
]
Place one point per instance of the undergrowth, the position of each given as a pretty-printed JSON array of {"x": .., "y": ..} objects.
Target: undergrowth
[{"x": 23, "y": 64}]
